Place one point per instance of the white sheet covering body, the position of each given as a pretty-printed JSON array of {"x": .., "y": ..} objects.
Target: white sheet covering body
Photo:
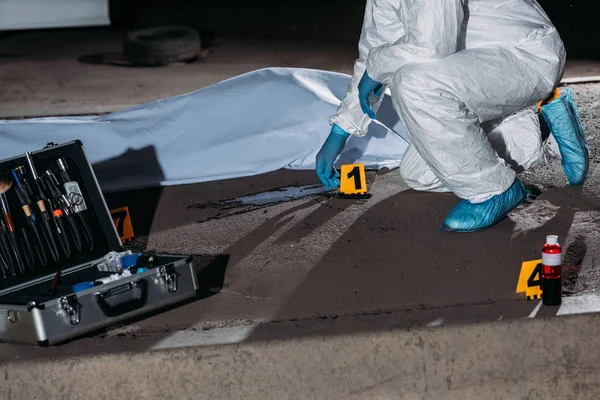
[{"x": 250, "y": 124}]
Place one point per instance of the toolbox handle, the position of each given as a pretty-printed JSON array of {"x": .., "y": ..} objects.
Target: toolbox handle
[{"x": 123, "y": 307}]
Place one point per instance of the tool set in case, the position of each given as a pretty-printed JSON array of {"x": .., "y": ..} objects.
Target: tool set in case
[{"x": 63, "y": 269}]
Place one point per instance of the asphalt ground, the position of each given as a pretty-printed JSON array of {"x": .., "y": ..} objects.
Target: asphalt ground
[
  {"x": 316, "y": 265},
  {"x": 321, "y": 265}
]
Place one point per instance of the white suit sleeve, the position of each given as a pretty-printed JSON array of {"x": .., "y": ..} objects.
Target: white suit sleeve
[
  {"x": 432, "y": 29},
  {"x": 381, "y": 26}
]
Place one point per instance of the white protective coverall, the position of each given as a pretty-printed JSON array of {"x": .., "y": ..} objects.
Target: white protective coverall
[{"x": 462, "y": 74}]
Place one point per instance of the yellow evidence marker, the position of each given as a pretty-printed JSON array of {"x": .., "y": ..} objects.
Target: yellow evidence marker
[
  {"x": 530, "y": 279},
  {"x": 122, "y": 221},
  {"x": 353, "y": 182}
]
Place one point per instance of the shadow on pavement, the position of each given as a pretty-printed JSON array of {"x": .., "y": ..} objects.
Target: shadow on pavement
[
  {"x": 417, "y": 276},
  {"x": 142, "y": 204},
  {"x": 573, "y": 258},
  {"x": 314, "y": 220},
  {"x": 390, "y": 270},
  {"x": 240, "y": 249}
]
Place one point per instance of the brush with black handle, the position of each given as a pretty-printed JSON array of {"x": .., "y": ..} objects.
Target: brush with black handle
[
  {"x": 25, "y": 200},
  {"x": 10, "y": 226},
  {"x": 5, "y": 249},
  {"x": 36, "y": 188},
  {"x": 5, "y": 259},
  {"x": 26, "y": 248},
  {"x": 3, "y": 266},
  {"x": 61, "y": 231}
]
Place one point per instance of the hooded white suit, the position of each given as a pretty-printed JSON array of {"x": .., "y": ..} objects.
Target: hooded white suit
[{"x": 460, "y": 72}]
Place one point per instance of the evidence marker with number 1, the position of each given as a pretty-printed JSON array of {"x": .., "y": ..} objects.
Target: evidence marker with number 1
[
  {"x": 353, "y": 182},
  {"x": 551, "y": 272}
]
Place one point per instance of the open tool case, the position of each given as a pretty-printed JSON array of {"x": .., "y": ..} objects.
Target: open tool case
[{"x": 69, "y": 233}]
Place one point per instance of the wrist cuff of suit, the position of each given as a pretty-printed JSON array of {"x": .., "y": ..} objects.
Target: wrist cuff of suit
[{"x": 335, "y": 128}]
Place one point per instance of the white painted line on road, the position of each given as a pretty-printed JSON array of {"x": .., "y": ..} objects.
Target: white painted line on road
[
  {"x": 437, "y": 322},
  {"x": 218, "y": 336},
  {"x": 584, "y": 304},
  {"x": 580, "y": 305},
  {"x": 580, "y": 79},
  {"x": 535, "y": 310}
]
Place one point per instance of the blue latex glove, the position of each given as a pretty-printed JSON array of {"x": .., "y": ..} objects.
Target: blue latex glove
[
  {"x": 366, "y": 86},
  {"x": 330, "y": 150},
  {"x": 472, "y": 217},
  {"x": 564, "y": 122}
]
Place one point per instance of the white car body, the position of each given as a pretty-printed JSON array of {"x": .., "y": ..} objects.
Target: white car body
[{"x": 38, "y": 14}]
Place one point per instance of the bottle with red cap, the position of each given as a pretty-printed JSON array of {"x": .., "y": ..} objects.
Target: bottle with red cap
[{"x": 551, "y": 272}]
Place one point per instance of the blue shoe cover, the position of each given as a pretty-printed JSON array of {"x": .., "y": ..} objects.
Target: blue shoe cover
[
  {"x": 564, "y": 122},
  {"x": 473, "y": 217}
]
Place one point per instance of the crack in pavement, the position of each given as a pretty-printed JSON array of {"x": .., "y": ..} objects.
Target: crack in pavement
[{"x": 140, "y": 332}]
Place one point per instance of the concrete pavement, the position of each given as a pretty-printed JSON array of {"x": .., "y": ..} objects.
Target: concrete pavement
[
  {"x": 537, "y": 359},
  {"x": 63, "y": 73},
  {"x": 73, "y": 71}
]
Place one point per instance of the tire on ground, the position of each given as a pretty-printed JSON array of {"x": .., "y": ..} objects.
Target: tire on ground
[{"x": 161, "y": 45}]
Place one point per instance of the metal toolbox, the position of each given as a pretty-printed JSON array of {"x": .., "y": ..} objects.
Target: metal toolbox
[{"x": 44, "y": 255}]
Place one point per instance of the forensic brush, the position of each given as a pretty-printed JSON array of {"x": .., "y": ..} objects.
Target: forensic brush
[
  {"x": 9, "y": 224},
  {"x": 25, "y": 200},
  {"x": 60, "y": 210},
  {"x": 39, "y": 193},
  {"x": 5, "y": 249},
  {"x": 3, "y": 266}
]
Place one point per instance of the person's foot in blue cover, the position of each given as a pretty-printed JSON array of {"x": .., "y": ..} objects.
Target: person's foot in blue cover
[
  {"x": 562, "y": 117},
  {"x": 473, "y": 217}
]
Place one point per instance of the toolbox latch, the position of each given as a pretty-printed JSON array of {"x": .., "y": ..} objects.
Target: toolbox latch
[
  {"x": 72, "y": 308},
  {"x": 169, "y": 276},
  {"x": 13, "y": 316},
  {"x": 50, "y": 144}
]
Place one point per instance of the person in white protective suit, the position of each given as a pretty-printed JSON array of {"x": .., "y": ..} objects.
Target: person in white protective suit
[{"x": 461, "y": 72}]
